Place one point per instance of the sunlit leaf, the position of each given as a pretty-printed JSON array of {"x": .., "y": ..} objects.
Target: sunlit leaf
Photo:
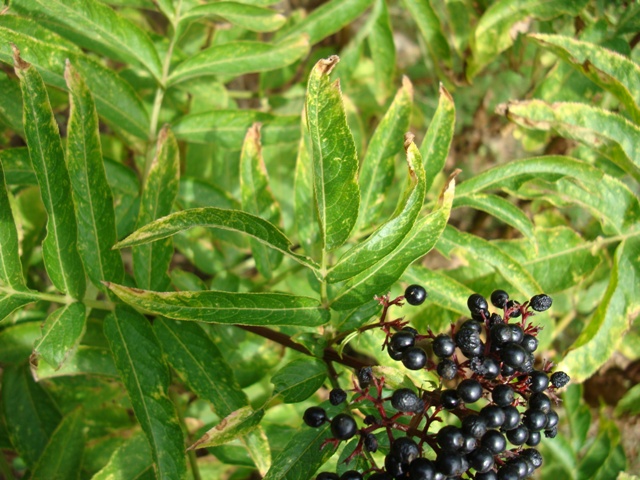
[
  {"x": 299, "y": 379},
  {"x": 437, "y": 141},
  {"x": 61, "y": 333},
  {"x": 131, "y": 460},
  {"x": 238, "y": 423},
  {"x": 251, "y": 17},
  {"x": 10, "y": 267}
]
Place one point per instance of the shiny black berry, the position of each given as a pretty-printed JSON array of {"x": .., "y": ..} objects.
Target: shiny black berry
[
  {"x": 474, "y": 425},
  {"x": 493, "y": 415},
  {"x": 449, "y": 399},
  {"x": 511, "y": 418},
  {"x": 494, "y": 442},
  {"x": 351, "y": 475},
  {"x": 535, "y": 420},
  {"x": 337, "y": 396},
  {"x": 343, "y": 426},
  {"x": 516, "y": 333},
  {"x": 405, "y": 450},
  {"x": 469, "y": 390},
  {"x": 538, "y": 381},
  {"x": 552, "y": 419},
  {"x": 414, "y": 358},
  {"x": 551, "y": 432},
  {"x": 487, "y": 367},
  {"x": 380, "y": 476},
  {"x": 422, "y": 469},
  {"x": 443, "y": 346},
  {"x": 541, "y": 302},
  {"x": 518, "y": 436},
  {"x": 529, "y": 343},
  {"x": 393, "y": 466},
  {"x": 534, "y": 439},
  {"x": 509, "y": 472},
  {"x": 402, "y": 340},
  {"x": 490, "y": 475},
  {"x": 314, "y": 416},
  {"x": 560, "y": 379},
  {"x": 513, "y": 355},
  {"x": 468, "y": 340},
  {"x": 481, "y": 459},
  {"x": 450, "y": 438},
  {"x": 502, "y": 395},
  {"x": 500, "y": 334},
  {"x": 371, "y": 443},
  {"x": 451, "y": 464},
  {"x": 515, "y": 313},
  {"x": 365, "y": 377},
  {"x": 327, "y": 476},
  {"x": 477, "y": 303},
  {"x": 495, "y": 319},
  {"x": 533, "y": 456},
  {"x": 405, "y": 400},
  {"x": 539, "y": 401},
  {"x": 499, "y": 298},
  {"x": 415, "y": 295}
]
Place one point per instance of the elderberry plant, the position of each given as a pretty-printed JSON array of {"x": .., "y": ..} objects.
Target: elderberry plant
[{"x": 484, "y": 418}]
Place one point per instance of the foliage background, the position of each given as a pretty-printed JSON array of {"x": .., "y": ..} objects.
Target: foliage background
[{"x": 540, "y": 102}]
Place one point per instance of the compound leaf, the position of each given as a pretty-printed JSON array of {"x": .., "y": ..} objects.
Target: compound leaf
[
  {"x": 335, "y": 162},
  {"x": 60, "y": 253},
  {"x": 146, "y": 377},
  {"x": 384, "y": 240},
  {"x": 225, "y": 307},
  {"x": 91, "y": 193}
]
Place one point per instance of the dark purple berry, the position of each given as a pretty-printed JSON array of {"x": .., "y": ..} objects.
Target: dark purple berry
[
  {"x": 540, "y": 302},
  {"x": 314, "y": 416},
  {"x": 508, "y": 472},
  {"x": 481, "y": 459},
  {"x": 538, "y": 381},
  {"x": 447, "y": 369},
  {"x": 393, "y": 353},
  {"x": 477, "y": 303},
  {"x": 351, "y": 475},
  {"x": 552, "y": 419},
  {"x": 520, "y": 465},
  {"x": 468, "y": 340},
  {"x": 410, "y": 330},
  {"x": 490, "y": 475},
  {"x": 495, "y": 319},
  {"x": 415, "y": 295},
  {"x": 513, "y": 355},
  {"x": 560, "y": 379},
  {"x": 539, "y": 401},
  {"x": 511, "y": 418},
  {"x": 515, "y": 313},
  {"x": 518, "y": 436},
  {"x": 380, "y": 476},
  {"x": 469, "y": 390},
  {"x": 449, "y": 399},
  {"x": 529, "y": 343},
  {"x": 405, "y": 400},
  {"x": 494, "y": 441},
  {"x": 535, "y": 420},
  {"x": 422, "y": 469},
  {"x": 343, "y": 426},
  {"x": 393, "y": 466},
  {"x": 443, "y": 346},
  {"x": 499, "y": 298},
  {"x": 507, "y": 370},
  {"x": 405, "y": 450},
  {"x": 470, "y": 444},
  {"x": 471, "y": 325},
  {"x": 327, "y": 476},
  {"x": 516, "y": 333},
  {"x": 502, "y": 395},
  {"x": 414, "y": 358},
  {"x": 451, "y": 463},
  {"x": 500, "y": 334},
  {"x": 534, "y": 439},
  {"x": 487, "y": 367},
  {"x": 337, "y": 396},
  {"x": 493, "y": 415},
  {"x": 370, "y": 420},
  {"x": 533, "y": 456},
  {"x": 474, "y": 425},
  {"x": 450, "y": 438},
  {"x": 551, "y": 432},
  {"x": 402, "y": 340},
  {"x": 365, "y": 377},
  {"x": 371, "y": 443}
]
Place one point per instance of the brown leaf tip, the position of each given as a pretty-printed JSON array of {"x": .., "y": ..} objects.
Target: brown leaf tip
[
  {"x": 19, "y": 63},
  {"x": 407, "y": 85},
  {"x": 254, "y": 132},
  {"x": 445, "y": 92},
  {"x": 408, "y": 140},
  {"x": 327, "y": 64}
]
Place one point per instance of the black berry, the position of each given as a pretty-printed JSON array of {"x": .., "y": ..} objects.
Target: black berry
[
  {"x": 560, "y": 379},
  {"x": 449, "y": 399},
  {"x": 405, "y": 450},
  {"x": 532, "y": 455},
  {"x": 535, "y": 420},
  {"x": 515, "y": 312},
  {"x": 337, "y": 396},
  {"x": 518, "y": 436},
  {"x": 371, "y": 443},
  {"x": 469, "y": 390},
  {"x": 314, "y": 416},
  {"x": 477, "y": 303},
  {"x": 493, "y": 415},
  {"x": 538, "y": 381},
  {"x": 402, "y": 340},
  {"x": 422, "y": 469},
  {"x": 343, "y": 426},
  {"x": 481, "y": 459},
  {"x": 474, "y": 425},
  {"x": 415, "y": 295},
  {"x": 513, "y": 355},
  {"x": 529, "y": 343},
  {"x": 534, "y": 439},
  {"x": 499, "y": 298},
  {"x": 541, "y": 302},
  {"x": 447, "y": 369},
  {"x": 443, "y": 346},
  {"x": 414, "y": 358},
  {"x": 327, "y": 476},
  {"x": 539, "y": 401},
  {"x": 502, "y": 395},
  {"x": 351, "y": 475},
  {"x": 494, "y": 441},
  {"x": 365, "y": 377},
  {"x": 405, "y": 400},
  {"x": 450, "y": 438},
  {"x": 511, "y": 418},
  {"x": 451, "y": 463}
]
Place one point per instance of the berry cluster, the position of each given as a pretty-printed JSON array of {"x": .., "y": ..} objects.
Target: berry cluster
[{"x": 489, "y": 358}]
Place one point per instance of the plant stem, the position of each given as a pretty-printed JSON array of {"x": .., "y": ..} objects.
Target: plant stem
[
  {"x": 61, "y": 299},
  {"x": 191, "y": 454}
]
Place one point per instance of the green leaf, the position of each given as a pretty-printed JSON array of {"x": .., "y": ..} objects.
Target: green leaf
[
  {"x": 60, "y": 253},
  {"x": 91, "y": 193},
  {"x": 151, "y": 262},
  {"x": 630, "y": 403},
  {"x": 378, "y": 166},
  {"x": 131, "y": 461},
  {"x": 498, "y": 27},
  {"x": 510, "y": 269},
  {"x": 241, "y": 422},
  {"x": 241, "y": 57},
  {"x": 30, "y": 413},
  {"x": 499, "y": 208},
  {"x": 95, "y": 26},
  {"x": 251, "y": 17},
  {"x": 306, "y": 214},
  {"x": 302, "y": 456},
  {"x": 258, "y": 199},
  {"x": 86, "y": 360},
  {"x": 227, "y": 128},
  {"x": 606, "y": 68},
  {"x": 377, "y": 279},
  {"x": 299, "y": 379},
  {"x": 443, "y": 290},
  {"x": 383, "y": 51},
  {"x": 116, "y": 100},
  {"x": 615, "y": 136},
  {"x": 431, "y": 30},
  {"x": 212, "y": 217},
  {"x": 11, "y": 300},
  {"x": 61, "y": 333},
  {"x": 327, "y": 19},
  {"x": 389, "y": 235},
  {"x": 225, "y": 307},
  {"x": 599, "y": 452},
  {"x": 10, "y": 266},
  {"x": 11, "y": 104},
  {"x": 200, "y": 364},
  {"x": 62, "y": 457},
  {"x": 437, "y": 141},
  {"x": 17, "y": 164},
  {"x": 16, "y": 342},
  {"x": 335, "y": 162},
  {"x": 612, "y": 318},
  {"x": 138, "y": 357}
]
